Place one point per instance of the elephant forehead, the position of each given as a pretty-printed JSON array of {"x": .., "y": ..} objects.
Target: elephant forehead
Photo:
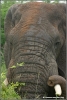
[
  {"x": 28, "y": 17},
  {"x": 29, "y": 13},
  {"x": 35, "y": 20},
  {"x": 36, "y": 32}
]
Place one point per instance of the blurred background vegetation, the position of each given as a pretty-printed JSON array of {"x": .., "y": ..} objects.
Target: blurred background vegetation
[{"x": 5, "y": 4}]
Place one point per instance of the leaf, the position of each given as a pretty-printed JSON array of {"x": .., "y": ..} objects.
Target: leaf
[
  {"x": 13, "y": 66},
  {"x": 4, "y": 87},
  {"x": 2, "y": 74},
  {"x": 21, "y": 64},
  {"x": 23, "y": 84}
]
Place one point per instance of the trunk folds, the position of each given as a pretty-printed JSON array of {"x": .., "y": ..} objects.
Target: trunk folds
[{"x": 33, "y": 73}]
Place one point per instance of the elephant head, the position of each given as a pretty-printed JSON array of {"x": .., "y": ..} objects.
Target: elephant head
[{"x": 35, "y": 34}]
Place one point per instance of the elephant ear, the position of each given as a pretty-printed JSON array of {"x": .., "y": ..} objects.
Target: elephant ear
[
  {"x": 9, "y": 22},
  {"x": 8, "y": 26},
  {"x": 61, "y": 60}
]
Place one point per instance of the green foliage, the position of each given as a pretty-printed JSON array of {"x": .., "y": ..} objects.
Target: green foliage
[
  {"x": 7, "y": 92},
  {"x": 56, "y": 1},
  {"x": 13, "y": 66},
  {"x": 18, "y": 64},
  {"x": 48, "y": 1},
  {"x": 21, "y": 64},
  {"x": 15, "y": 85}
]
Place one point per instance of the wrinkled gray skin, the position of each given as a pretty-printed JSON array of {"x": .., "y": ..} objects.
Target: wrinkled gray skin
[{"x": 35, "y": 34}]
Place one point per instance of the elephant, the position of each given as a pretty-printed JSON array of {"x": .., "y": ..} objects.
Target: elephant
[{"x": 36, "y": 36}]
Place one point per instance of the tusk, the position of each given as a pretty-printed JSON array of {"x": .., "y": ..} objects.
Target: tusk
[
  {"x": 5, "y": 82},
  {"x": 58, "y": 89}
]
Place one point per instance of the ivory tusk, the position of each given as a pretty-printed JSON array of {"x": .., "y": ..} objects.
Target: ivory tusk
[
  {"x": 58, "y": 89},
  {"x": 5, "y": 82}
]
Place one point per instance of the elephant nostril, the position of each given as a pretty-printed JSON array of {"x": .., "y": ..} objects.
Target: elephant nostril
[
  {"x": 57, "y": 43},
  {"x": 50, "y": 83}
]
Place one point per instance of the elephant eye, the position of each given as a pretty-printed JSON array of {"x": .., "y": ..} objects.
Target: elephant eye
[
  {"x": 57, "y": 43},
  {"x": 57, "y": 47}
]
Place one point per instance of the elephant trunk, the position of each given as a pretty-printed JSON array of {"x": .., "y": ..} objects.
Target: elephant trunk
[
  {"x": 39, "y": 65},
  {"x": 35, "y": 76}
]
